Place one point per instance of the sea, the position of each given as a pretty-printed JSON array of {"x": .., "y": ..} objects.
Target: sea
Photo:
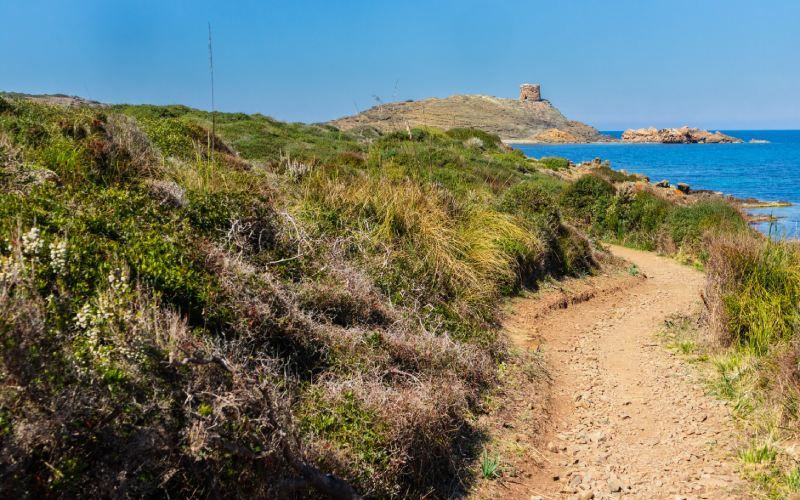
[{"x": 768, "y": 171}]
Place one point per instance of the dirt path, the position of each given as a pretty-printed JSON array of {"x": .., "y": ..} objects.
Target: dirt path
[{"x": 627, "y": 418}]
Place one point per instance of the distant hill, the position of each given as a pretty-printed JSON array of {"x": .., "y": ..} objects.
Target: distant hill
[
  {"x": 513, "y": 120},
  {"x": 54, "y": 99}
]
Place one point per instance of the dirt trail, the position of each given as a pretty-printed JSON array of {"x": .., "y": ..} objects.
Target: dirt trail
[{"x": 627, "y": 418}]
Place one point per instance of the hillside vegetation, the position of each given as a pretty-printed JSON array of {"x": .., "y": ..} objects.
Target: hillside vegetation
[{"x": 238, "y": 315}]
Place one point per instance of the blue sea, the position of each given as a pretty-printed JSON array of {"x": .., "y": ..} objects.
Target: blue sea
[{"x": 769, "y": 172}]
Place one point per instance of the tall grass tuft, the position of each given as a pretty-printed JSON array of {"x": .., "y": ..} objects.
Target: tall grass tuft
[{"x": 754, "y": 290}]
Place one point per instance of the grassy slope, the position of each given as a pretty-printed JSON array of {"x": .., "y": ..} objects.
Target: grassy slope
[{"x": 179, "y": 321}]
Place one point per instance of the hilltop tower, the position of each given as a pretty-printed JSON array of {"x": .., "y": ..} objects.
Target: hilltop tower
[{"x": 530, "y": 92}]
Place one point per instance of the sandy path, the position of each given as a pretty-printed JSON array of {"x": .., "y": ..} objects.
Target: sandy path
[{"x": 627, "y": 418}]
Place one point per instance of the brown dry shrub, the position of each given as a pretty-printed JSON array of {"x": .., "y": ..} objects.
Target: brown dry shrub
[
  {"x": 167, "y": 193},
  {"x": 665, "y": 244},
  {"x": 418, "y": 421},
  {"x": 419, "y": 350},
  {"x": 786, "y": 383},
  {"x": 345, "y": 297},
  {"x": 129, "y": 144},
  {"x": 418, "y": 384}
]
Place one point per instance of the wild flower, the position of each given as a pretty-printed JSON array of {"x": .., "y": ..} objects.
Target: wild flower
[
  {"x": 58, "y": 256},
  {"x": 99, "y": 320},
  {"x": 295, "y": 168},
  {"x": 32, "y": 242}
]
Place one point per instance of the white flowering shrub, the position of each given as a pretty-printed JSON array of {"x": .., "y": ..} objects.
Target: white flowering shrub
[
  {"x": 32, "y": 242},
  {"x": 58, "y": 256},
  {"x": 105, "y": 342}
]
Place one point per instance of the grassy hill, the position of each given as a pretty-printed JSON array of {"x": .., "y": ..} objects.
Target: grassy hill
[
  {"x": 238, "y": 315},
  {"x": 510, "y": 119}
]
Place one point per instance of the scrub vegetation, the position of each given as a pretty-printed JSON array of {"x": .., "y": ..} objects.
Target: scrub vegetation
[
  {"x": 240, "y": 315},
  {"x": 642, "y": 219}
]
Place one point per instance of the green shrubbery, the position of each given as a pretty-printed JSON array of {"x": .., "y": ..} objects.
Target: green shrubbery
[
  {"x": 588, "y": 200},
  {"x": 640, "y": 218},
  {"x": 554, "y": 163},
  {"x": 487, "y": 140},
  {"x": 751, "y": 297},
  {"x": 192, "y": 320},
  {"x": 689, "y": 224}
]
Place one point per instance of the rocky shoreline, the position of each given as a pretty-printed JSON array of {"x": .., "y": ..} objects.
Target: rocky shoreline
[{"x": 681, "y": 192}]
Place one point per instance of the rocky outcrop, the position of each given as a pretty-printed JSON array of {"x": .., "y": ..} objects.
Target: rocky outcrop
[
  {"x": 555, "y": 136},
  {"x": 683, "y": 135},
  {"x": 514, "y": 120}
]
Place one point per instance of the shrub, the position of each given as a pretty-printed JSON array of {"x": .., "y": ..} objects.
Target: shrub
[
  {"x": 689, "y": 223},
  {"x": 5, "y": 106},
  {"x": 487, "y": 140},
  {"x": 554, "y": 162},
  {"x": 639, "y": 220},
  {"x": 185, "y": 323},
  {"x": 614, "y": 176},
  {"x": 588, "y": 199}
]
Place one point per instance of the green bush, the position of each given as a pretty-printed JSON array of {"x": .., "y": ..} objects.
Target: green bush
[
  {"x": 588, "y": 200},
  {"x": 490, "y": 141},
  {"x": 554, "y": 163},
  {"x": 615, "y": 176},
  {"x": 689, "y": 223},
  {"x": 531, "y": 201},
  {"x": 638, "y": 221}
]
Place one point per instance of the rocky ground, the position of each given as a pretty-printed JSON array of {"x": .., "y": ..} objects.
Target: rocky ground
[{"x": 627, "y": 418}]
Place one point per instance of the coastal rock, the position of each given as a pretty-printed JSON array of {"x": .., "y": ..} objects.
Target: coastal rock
[
  {"x": 555, "y": 136},
  {"x": 682, "y": 135},
  {"x": 683, "y": 187},
  {"x": 662, "y": 183}
]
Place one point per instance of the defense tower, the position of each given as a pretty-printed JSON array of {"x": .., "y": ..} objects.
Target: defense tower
[{"x": 530, "y": 92}]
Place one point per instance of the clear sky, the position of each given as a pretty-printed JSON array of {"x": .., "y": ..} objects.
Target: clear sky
[{"x": 614, "y": 64}]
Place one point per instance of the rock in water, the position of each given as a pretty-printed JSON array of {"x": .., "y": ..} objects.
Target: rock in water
[{"x": 682, "y": 135}]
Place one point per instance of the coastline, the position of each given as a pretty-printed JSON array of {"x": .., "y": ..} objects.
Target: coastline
[
  {"x": 681, "y": 189},
  {"x": 759, "y": 179}
]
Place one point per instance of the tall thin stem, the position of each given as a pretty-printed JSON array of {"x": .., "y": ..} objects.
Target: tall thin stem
[{"x": 213, "y": 108}]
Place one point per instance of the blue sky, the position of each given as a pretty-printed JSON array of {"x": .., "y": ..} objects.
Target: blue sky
[{"x": 614, "y": 64}]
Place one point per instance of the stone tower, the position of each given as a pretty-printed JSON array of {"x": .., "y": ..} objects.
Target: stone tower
[{"x": 530, "y": 92}]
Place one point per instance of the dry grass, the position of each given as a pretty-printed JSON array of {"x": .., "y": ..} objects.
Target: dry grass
[{"x": 472, "y": 251}]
